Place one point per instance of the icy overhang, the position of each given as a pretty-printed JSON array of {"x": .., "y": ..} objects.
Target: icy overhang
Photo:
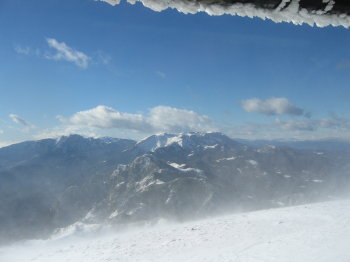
[{"x": 312, "y": 12}]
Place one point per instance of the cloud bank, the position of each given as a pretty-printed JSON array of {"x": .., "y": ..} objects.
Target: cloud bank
[
  {"x": 297, "y": 125},
  {"x": 332, "y": 122},
  {"x": 272, "y": 106},
  {"x": 158, "y": 119},
  {"x": 293, "y": 11},
  {"x": 107, "y": 121}
]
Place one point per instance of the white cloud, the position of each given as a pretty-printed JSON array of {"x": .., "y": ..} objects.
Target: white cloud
[
  {"x": 26, "y": 50},
  {"x": 104, "y": 59},
  {"x": 111, "y": 2},
  {"x": 19, "y": 120},
  {"x": 329, "y": 127},
  {"x": 66, "y": 53},
  {"x": 161, "y": 74},
  {"x": 272, "y": 106},
  {"x": 106, "y": 117},
  {"x": 65, "y": 131},
  {"x": 331, "y": 123},
  {"x": 300, "y": 125},
  {"x": 23, "y": 50},
  {"x": 164, "y": 118},
  {"x": 335, "y": 122},
  {"x": 100, "y": 58},
  {"x": 158, "y": 119},
  {"x": 1, "y": 132}
]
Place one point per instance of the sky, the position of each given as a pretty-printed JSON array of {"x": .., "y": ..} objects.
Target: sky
[{"x": 87, "y": 67}]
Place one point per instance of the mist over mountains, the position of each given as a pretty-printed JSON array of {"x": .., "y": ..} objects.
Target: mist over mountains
[{"x": 53, "y": 183}]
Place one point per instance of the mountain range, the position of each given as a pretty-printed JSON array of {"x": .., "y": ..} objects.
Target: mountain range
[{"x": 50, "y": 184}]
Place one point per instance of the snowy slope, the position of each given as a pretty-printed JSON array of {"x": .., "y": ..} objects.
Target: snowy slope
[{"x": 317, "y": 232}]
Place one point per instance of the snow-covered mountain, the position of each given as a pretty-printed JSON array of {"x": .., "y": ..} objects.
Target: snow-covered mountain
[
  {"x": 193, "y": 175},
  {"x": 50, "y": 184}
]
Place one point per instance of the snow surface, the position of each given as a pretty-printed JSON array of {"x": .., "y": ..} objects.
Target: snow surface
[
  {"x": 182, "y": 168},
  {"x": 316, "y": 232},
  {"x": 252, "y": 162},
  {"x": 211, "y": 147},
  {"x": 226, "y": 159},
  {"x": 153, "y": 142},
  {"x": 184, "y": 140},
  {"x": 175, "y": 140}
]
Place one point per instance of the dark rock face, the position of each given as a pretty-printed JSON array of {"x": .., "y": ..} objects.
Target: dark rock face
[{"x": 49, "y": 184}]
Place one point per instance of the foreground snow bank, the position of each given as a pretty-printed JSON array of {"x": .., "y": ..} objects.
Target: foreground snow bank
[{"x": 317, "y": 232}]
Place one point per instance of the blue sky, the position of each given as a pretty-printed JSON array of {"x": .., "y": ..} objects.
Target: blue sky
[{"x": 83, "y": 66}]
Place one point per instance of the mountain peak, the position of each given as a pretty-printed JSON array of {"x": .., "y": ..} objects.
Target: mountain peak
[
  {"x": 188, "y": 140},
  {"x": 153, "y": 142}
]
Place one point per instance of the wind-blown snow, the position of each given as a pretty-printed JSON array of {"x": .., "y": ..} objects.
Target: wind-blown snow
[
  {"x": 308, "y": 233},
  {"x": 287, "y": 11},
  {"x": 252, "y": 162}
]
